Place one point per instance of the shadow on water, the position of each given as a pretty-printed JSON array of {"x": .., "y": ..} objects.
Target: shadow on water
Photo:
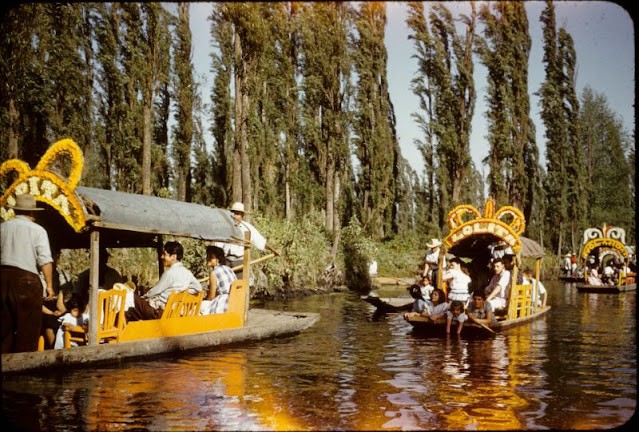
[{"x": 360, "y": 370}]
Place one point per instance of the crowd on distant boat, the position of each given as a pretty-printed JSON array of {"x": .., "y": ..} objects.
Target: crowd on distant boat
[{"x": 609, "y": 271}]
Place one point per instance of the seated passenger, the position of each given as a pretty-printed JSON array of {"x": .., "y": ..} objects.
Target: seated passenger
[
  {"x": 107, "y": 277},
  {"x": 434, "y": 308},
  {"x": 220, "y": 278},
  {"x": 539, "y": 287},
  {"x": 480, "y": 310},
  {"x": 497, "y": 289},
  {"x": 52, "y": 310},
  {"x": 608, "y": 274},
  {"x": 419, "y": 305},
  {"x": 176, "y": 277},
  {"x": 593, "y": 277},
  {"x": 70, "y": 319},
  {"x": 426, "y": 286},
  {"x": 456, "y": 314}
]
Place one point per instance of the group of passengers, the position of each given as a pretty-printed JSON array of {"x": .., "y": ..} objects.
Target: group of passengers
[
  {"x": 613, "y": 272},
  {"x": 29, "y": 268},
  {"x": 467, "y": 301}
]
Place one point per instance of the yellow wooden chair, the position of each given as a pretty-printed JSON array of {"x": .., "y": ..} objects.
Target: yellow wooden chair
[
  {"x": 183, "y": 304},
  {"x": 111, "y": 319}
]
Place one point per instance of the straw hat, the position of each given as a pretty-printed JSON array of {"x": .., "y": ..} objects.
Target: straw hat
[
  {"x": 237, "y": 207},
  {"x": 434, "y": 243},
  {"x": 25, "y": 202},
  {"x": 567, "y": 255}
]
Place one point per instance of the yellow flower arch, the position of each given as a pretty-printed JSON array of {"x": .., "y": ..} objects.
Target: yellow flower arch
[
  {"x": 465, "y": 220},
  {"x": 46, "y": 185}
]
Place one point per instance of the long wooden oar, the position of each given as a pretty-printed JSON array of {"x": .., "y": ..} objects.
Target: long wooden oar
[
  {"x": 259, "y": 260},
  {"x": 481, "y": 324},
  {"x": 239, "y": 267}
]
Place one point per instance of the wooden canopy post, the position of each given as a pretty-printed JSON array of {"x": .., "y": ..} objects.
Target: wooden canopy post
[
  {"x": 94, "y": 278},
  {"x": 246, "y": 268}
]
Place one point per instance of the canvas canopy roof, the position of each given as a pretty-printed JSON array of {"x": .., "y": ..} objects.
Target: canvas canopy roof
[
  {"x": 132, "y": 220},
  {"x": 478, "y": 245}
]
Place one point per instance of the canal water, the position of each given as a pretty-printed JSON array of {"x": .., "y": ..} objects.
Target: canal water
[{"x": 576, "y": 368}]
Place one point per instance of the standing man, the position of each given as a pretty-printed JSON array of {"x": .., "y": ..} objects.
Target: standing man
[
  {"x": 431, "y": 261},
  {"x": 25, "y": 249},
  {"x": 235, "y": 253}
]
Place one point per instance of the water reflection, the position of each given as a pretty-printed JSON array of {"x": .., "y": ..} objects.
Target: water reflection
[{"x": 356, "y": 371}]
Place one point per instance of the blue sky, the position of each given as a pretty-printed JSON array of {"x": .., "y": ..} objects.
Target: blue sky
[{"x": 603, "y": 34}]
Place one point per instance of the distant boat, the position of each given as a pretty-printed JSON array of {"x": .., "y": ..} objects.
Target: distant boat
[{"x": 605, "y": 245}]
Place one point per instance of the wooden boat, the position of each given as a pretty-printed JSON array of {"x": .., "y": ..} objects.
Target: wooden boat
[
  {"x": 471, "y": 234},
  {"x": 387, "y": 280},
  {"x": 571, "y": 279},
  {"x": 603, "y": 245},
  {"x": 88, "y": 218},
  {"x": 389, "y": 304}
]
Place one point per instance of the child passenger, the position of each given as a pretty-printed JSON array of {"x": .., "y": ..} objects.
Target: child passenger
[
  {"x": 70, "y": 319},
  {"x": 456, "y": 313},
  {"x": 434, "y": 308}
]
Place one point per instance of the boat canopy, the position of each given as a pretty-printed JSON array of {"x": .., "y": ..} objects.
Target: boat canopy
[{"x": 477, "y": 245}]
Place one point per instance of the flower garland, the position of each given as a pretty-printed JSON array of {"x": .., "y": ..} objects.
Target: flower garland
[{"x": 46, "y": 185}]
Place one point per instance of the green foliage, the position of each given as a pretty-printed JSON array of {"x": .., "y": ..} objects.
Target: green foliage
[
  {"x": 306, "y": 260},
  {"x": 359, "y": 251}
]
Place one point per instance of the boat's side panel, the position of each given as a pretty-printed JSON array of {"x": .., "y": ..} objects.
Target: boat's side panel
[
  {"x": 606, "y": 289},
  {"x": 261, "y": 324},
  {"x": 148, "y": 329},
  {"x": 425, "y": 326}
]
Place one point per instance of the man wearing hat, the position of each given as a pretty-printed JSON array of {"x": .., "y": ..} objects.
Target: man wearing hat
[
  {"x": 432, "y": 261},
  {"x": 235, "y": 253},
  {"x": 25, "y": 249}
]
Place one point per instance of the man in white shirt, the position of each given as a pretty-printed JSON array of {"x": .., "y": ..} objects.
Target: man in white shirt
[
  {"x": 497, "y": 289},
  {"x": 25, "y": 249},
  {"x": 234, "y": 252},
  {"x": 176, "y": 277}
]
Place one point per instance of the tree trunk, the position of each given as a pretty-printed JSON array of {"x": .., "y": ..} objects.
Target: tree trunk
[
  {"x": 146, "y": 147},
  {"x": 239, "y": 121},
  {"x": 13, "y": 136}
]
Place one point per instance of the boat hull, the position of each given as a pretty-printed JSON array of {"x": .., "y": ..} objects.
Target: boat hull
[
  {"x": 571, "y": 278},
  {"x": 426, "y": 327},
  {"x": 261, "y": 324},
  {"x": 606, "y": 289},
  {"x": 390, "y": 304}
]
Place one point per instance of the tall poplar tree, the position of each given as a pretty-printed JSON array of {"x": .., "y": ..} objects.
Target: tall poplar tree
[
  {"x": 375, "y": 145},
  {"x": 448, "y": 94},
  {"x": 558, "y": 112},
  {"x": 513, "y": 157},
  {"x": 221, "y": 104},
  {"x": 326, "y": 87},
  {"x": 608, "y": 177},
  {"x": 184, "y": 94}
]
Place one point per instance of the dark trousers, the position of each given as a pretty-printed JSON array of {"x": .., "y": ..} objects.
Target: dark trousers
[
  {"x": 20, "y": 309},
  {"x": 142, "y": 310}
]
